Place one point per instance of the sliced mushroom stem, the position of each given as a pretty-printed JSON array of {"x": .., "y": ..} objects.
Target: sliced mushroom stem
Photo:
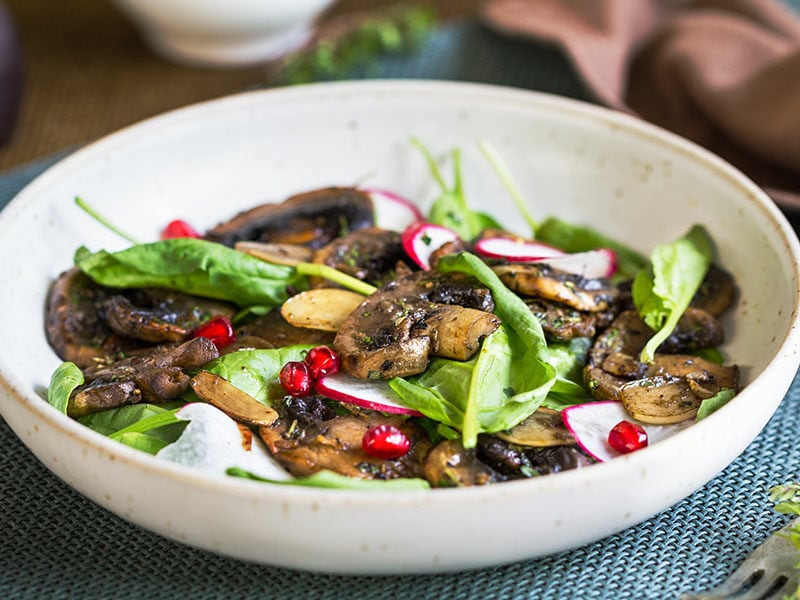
[
  {"x": 237, "y": 404},
  {"x": 324, "y": 309},
  {"x": 459, "y": 330},
  {"x": 289, "y": 255},
  {"x": 544, "y": 428}
]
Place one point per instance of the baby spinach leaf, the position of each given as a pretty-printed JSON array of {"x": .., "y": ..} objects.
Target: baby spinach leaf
[
  {"x": 663, "y": 292},
  {"x": 143, "y": 441},
  {"x": 329, "y": 479},
  {"x": 256, "y": 371},
  {"x": 506, "y": 381},
  {"x": 568, "y": 359},
  {"x": 65, "y": 379},
  {"x": 577, "y": 238},
  {"x": 193, "y": 266},
  {"x": 107, "y": 422},
  {"x": 148, "y": 424},
  {"x": 717, "y": 401}
]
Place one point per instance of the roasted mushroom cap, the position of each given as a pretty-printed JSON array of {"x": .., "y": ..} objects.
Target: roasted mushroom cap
[
  {"x": 717, "y": 292},
  {"x": 310, "y": 437},
  {"x": 562, "y": 323},
  {"x": 158, "y": 375},
  {"x": 516, "y": 461},
  {"x": 542, "y": 281},
  {"x": 274, "y": 331},
  {"x": 310, "y": 219},
  {"x": 369, "y": 254},
  {"x": 73, "y": 323},
  {"x": 159, "y": 316},
  {"x": 394, "y": 331},
  {"x": 87, "y": 323},
  {"x": 671, "y": 388},
  {"x": 449, "y": 464}
]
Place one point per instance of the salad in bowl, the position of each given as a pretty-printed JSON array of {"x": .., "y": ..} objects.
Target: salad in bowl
[
  {"x": 513, "y": 318},
  {"x": 298, "y": 342}
]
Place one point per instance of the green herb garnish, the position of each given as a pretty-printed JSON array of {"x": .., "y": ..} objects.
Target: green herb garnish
[{"x": 356, "y": 42}]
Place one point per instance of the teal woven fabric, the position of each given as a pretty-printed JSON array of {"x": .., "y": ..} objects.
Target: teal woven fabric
[{"x": 56, "y": 544}]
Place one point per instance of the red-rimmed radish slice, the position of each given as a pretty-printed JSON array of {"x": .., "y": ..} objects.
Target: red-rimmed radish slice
[
  {"x": 594, "y": 263},
  {"x": 516, "y": 250},
  {"x": 591, "y": 423},
  {"x": 422, "y": 239},
  {"x": 374, "y": 395},
  {"x": 393, "y": 211}
]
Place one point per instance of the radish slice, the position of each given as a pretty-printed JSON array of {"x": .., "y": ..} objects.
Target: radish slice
[
  {"x": 374, "y": 395},
  {"x": 422, "y": 239},
  {"x": 392, "y": 211},
  {"x": 592, "y": 264},
  {"x": 591, "y": 423},
  {"x": 515, "y": 250},
  {"x": 212, "y": 443}
]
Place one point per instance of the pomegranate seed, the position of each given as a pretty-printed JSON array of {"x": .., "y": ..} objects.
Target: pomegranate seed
[
  {"x": 296, "y": 378},
  {"x": 626, "y": 437},
  {"x": 179, "y": 229},
  {"x": 218, "y": 330},
  {"x": 385, "y": 441},
  {"x": 322, "y": 361}
]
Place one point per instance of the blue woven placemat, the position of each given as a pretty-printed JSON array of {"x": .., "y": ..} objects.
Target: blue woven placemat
[{"x": 56, "y": 544}]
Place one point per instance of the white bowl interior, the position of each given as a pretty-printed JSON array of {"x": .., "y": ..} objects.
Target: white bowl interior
[{"x": 583, "y": 164}]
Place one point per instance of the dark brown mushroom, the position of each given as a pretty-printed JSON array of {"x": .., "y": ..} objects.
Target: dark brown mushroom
[
  {"x": 73, "y": 323},
  {"x": 717, "y": 292},
  {"x": 562, "y": 323},
  {"x": 310, "y": 219},
  {"x": 369, "y": 254},
  {"x": 449, "y": 464},
  {"x": 669, "y": 389},
  {"x": 516, "y": 461},
  {"x": 274, "y": 332},
  {"x": 309, "y": 437},
  {"x": 157, "y": 375},
  {"x": 394, "y": 331},
  {"x": 160, "y": 316},
  {"x": 542, "y": 281}
]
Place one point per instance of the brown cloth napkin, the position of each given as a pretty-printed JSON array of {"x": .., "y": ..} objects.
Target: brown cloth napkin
[{"x": 724, "y": 73}]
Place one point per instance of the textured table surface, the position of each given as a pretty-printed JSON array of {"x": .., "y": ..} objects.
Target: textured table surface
[{"x": 56, "y": 544}]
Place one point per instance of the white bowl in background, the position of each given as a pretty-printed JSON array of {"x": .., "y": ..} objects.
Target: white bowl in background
[
  {"x": 583, "y": 163},
  {"x": 224, "y": 32}
]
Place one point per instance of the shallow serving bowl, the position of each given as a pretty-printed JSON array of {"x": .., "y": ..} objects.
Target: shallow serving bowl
[{"x": 582, "y": 163}]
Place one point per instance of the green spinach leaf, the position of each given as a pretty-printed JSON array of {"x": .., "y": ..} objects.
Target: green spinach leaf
[
  {"x": 504, "y": 383},
  {"x": 256, "y": 371},
  {"x": 145, "y": 442},
  {"x": 717, "y": 401},
  {"x": 568, "y": 359},
  {"x": 112, "y": 420},
  {"x": 149, "y": 423},
  {"x": 65, "y": 379},
  {"x": 193, "y": 266},
  {"x": 663, "y": 292}
]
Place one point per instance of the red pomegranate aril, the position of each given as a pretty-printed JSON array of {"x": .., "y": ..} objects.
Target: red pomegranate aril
[
  {"x": 322, "y": 361},
  {"x": 627, "y": 437},
  {"x": 179, "y": 229},
  {"x": 219, "y": 330},
  {"x": 385, "y": 441},
  {"x": 296, "y": 379}
]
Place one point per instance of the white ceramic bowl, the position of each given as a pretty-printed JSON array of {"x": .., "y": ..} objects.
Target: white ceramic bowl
[
  {"x": 223, "y": 32},
  {"x": 580, "y": 162}
]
